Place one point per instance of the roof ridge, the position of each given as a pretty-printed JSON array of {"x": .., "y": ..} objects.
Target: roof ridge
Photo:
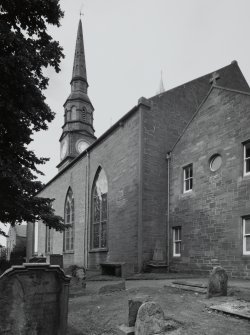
[
  {"x": 231, "y": 89},
  {"x": 201, "y": 104},
  {"x": 189, "y": 82},
  {"x": 192, "y": 118}
]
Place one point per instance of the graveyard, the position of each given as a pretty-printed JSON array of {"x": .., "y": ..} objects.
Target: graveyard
[
  {"x": 183, "y": 299},
  {"x": 39, "y": 298}
]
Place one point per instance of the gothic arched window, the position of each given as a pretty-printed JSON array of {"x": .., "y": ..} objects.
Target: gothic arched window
[
  {"x": 99, "y": 211},
  {"x": 69, "y": 219}
]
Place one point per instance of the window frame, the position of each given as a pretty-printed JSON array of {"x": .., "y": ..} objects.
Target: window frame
[
  {"x": 69, "y": 219},
  {"x": 189, "y": 179},
  {"x": 175, "y": 241},
  {"x": 244, "y": 235},
  {"x": 245, "y": 159}
]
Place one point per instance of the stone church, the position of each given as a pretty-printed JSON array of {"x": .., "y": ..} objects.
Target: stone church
[{"x": 167, "y": 184}]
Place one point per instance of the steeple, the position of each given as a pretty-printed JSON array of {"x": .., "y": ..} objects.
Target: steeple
[
  {"x": 78, "y": 131},
  {"x": 79, "y": 68}
]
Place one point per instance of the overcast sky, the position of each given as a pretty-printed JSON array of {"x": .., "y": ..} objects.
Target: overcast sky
[{"x": 128, "y": 43}]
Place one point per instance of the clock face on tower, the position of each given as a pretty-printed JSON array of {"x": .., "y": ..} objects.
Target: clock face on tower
[
  {"x": 81, "y": 146},
  {"x": 64, "y": 148}
]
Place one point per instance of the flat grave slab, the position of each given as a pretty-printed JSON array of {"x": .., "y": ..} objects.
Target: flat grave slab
[
  {"x": 195, "y": 285},
  {"x": 202, "y": 283},
  {"x": 237, "y": 307}
]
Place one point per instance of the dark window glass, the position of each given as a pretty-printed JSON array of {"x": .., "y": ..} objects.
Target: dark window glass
[
  {"x": 248, "y": 150},
  {"x": 247, "y": 226},
  {"x": 247, "y": 243},
  {"x": 99, "y": 211},
  {"x": 247, "y": 165},
  {"x": 69, "y": 220}
]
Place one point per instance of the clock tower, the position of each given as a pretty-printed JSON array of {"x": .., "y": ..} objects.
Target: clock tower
[{"x": 78, "y": 131}]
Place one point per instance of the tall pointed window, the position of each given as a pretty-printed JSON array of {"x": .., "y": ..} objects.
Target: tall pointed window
[
  {"x": 99, "y": 211},
  {"x": 69, "y": 219}
]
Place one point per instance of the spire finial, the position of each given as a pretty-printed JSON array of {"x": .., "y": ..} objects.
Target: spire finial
[{"x": 161, "y": 86}]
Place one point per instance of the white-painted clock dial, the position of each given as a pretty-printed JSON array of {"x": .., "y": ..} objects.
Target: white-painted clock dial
[
  {"x": 64, "y": 147},
  {"x": 81, "y": 146}
]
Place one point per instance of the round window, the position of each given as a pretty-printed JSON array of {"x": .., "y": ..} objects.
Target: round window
[{"x": 215, "y": 162}]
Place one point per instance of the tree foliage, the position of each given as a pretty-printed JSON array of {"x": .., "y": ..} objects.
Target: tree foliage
[{"x": 26, "y": 49}]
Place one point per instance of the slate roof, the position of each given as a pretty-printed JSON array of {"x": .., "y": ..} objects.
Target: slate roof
[
  {"x": 79, "y": 67},
  {"x": 181, "y": 103}
]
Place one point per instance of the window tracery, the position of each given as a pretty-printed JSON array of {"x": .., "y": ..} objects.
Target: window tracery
[
  {"x": 69, "y": 219},
  {"x": 99, "y": 211}
]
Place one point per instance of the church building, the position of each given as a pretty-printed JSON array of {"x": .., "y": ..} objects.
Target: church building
[{"x": 172, "y": 177}]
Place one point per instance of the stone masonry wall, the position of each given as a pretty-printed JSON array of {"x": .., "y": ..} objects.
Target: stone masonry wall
[
  {"x": 159, "y": 136},
  {"x": 117, "y": 154},
  {"x": 211, "y": 214},
  {"x": 154, "y": 183}
]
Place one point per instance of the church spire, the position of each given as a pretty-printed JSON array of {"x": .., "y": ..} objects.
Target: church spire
[
  {"x": 161, "y": 86},
  {"x": 78, "y": 131},
  {"x": 79, "y": 67}
]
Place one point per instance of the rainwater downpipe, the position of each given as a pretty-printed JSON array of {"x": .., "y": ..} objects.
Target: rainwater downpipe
[
  {"x": 87, "y": 222},
  {"x": 168, "y": 158}
]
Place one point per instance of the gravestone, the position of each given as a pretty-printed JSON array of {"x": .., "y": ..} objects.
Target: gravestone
[
  {"x": 217, "y": 283},
  {"x": 151, "y": 320},
  {"x": 158, "y": 253},
  {"x": 157, "y": 264},
  {"x": 133, "y": 306},
  {"x": 78, "y": 276},
  {"x": 56, "y": 259},
  {"x": 34, "y": 300}
]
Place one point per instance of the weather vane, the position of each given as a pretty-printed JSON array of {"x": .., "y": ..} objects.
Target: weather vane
[{"x": 81, "y": 10}]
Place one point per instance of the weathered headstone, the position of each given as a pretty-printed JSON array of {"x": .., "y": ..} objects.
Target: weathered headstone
[
  {"x": 112, "y": 288},
  {"x": 34, "y": 300},
  {"x": 217, "y": 283},
  {"x": 133, "y": 306},
  {"x": 157, "y": 264},
  {"x": 151, "y": 320},
  {"x": 158, "y": 253},
  {"x": 56, "y": 259}
]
